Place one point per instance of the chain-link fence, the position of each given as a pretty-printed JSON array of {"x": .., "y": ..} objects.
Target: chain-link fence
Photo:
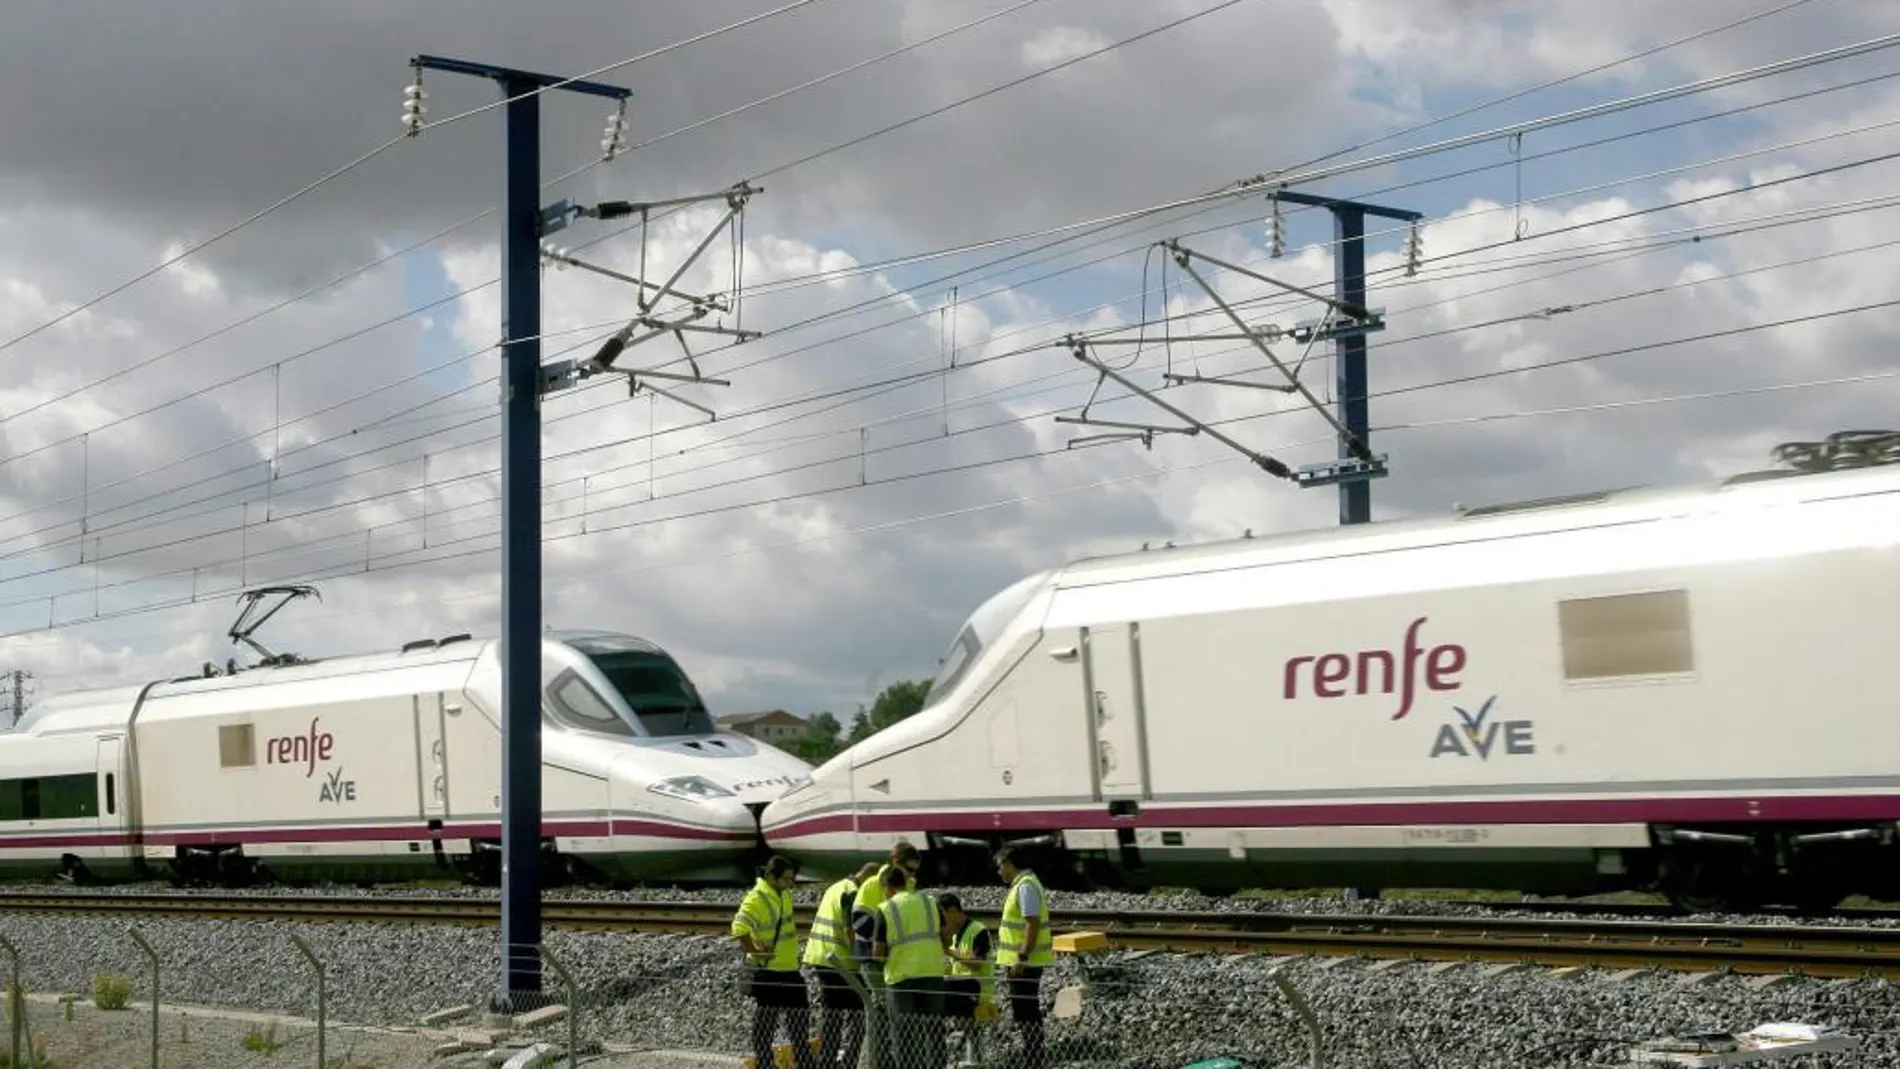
[{"x": 248, "y": 994}]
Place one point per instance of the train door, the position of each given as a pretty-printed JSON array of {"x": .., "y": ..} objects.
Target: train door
[
  {"x": 432, "y": 757},
  {"x": 1117, "y": 723},
  {"x": 114, "y": 809}
]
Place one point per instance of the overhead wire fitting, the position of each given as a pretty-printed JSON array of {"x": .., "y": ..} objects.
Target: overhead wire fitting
[
  {"x": 1360, "y": 319},
  {"x": 1079, "y": 348},
  {"x": 567, "y": 373}
]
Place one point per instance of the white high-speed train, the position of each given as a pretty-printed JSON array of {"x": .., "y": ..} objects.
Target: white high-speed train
[
  {"x": 1696, "y": 687},
  {"x": 386, "y": 765}
]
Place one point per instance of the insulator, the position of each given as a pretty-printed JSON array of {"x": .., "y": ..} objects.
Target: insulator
[
  {"x": 614, "y": 138},
  {"x": 1414, "y": 250},
  {"x": 1276, "y": 232},
  {"x": 413, "y": 106}
]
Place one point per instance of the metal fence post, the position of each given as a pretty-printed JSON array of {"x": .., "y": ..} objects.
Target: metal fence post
[
  {"x": 311, "y": 957},
  {"x": 152, "y": 956},
  {"x": 16, "y": 1003},
  {"x": 573, "y": 1004},
  {"x": 1314, "y": 1038}
]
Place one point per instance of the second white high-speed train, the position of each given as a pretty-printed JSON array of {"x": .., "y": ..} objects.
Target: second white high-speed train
[
  {"x": 1693, "y": 687},
  {"x": 386, "y": 765}
]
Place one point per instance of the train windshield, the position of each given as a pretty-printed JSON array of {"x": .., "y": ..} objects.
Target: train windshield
[
  {"x": 982, "y": 629},
  {"x": 663, "y": 700}
]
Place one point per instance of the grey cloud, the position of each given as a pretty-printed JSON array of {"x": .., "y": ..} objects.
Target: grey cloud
[{"x": 293, "y": 91}]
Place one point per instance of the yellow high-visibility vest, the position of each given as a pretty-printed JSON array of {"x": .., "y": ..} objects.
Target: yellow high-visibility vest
[
  {"x": 871, "y": 895},
  {"x": 766, "y": 916},
  {"x": 985, "y": 971},
  {"x": 913, "y": 938},
  {"x": 829, "y": 942},
  {"x": 1009, "y": 943}
]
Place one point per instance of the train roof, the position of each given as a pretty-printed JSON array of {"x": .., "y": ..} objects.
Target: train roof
[
  {"x": 106, "y": 707},
  {"x": 1528, "y": 517}
]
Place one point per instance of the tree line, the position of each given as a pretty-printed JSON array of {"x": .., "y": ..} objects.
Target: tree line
[{"x": 827, "y": 735}]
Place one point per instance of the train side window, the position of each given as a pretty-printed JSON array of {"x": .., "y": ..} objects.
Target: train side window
[
  {"x": 74, "y": 797},
  {"x": 237, "y": 746},
  {"x": 1644, "y": 634},
  {"x": 112, "y": 800}
]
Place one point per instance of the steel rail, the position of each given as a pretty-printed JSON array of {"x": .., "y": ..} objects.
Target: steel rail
[{"x": 1808, "y": 950}]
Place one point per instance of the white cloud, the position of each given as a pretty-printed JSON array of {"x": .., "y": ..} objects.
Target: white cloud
[{"x": 1058, "y": 43}]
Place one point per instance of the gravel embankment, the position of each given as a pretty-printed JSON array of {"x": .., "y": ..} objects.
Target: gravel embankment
[
  {"x": 990, "y": 897},
  {"x": 1152, "y": 1011}
]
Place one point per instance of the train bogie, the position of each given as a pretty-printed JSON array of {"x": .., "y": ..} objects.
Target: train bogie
[{"x": 1692, "y": 687}]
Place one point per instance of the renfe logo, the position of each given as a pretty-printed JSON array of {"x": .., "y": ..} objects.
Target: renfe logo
[
  {"x": 1330, "y": 671},
  {"x": 304, "y": 750}
]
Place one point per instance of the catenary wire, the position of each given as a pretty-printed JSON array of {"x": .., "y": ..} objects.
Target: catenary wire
[
  {"x": 589, "y": 449},
  {"x": 938, "y": 282},
  {"x": 1610, "y": 107},
  {"x": 617, "y": 64},
  {"x": 473, "y": 289},
  {"x": 352, "y": 165},
  {"x": 437, "y": 235},
  {"x": 860, "y": 455},
  {"x": 1552, "y": 84},
  {"x": 595, "y": 574},
  {"x": 1598, "y": 221},
  {"x": 1721, "y": 81},
  {"x": 915, "y": 315},
  {"x": 548, "y": 185},
  {"x": 779, "y": 169},
  {"x": 966, "y": 365}
]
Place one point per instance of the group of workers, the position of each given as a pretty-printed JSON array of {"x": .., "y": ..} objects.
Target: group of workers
[{"x": 896, "y": 969}]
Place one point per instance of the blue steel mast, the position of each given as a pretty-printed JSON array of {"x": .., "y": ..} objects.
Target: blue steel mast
[
  {"x": 1353, "y": 472},
  {"x": 522, "y": 226}
]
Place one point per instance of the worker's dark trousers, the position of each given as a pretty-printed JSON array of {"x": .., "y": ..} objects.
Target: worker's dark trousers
[
  {"x": 841, "y": 1036},
  {"x": 916, "y": 1024},
  {"x": 778, "y": 995},
  {"x": 1025, "y": 1008}
]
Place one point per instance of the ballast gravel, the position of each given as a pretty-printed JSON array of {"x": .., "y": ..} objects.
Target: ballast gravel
[
  {"x": 1137, "y": 1010},
  {"x": 991, "y": 897}
]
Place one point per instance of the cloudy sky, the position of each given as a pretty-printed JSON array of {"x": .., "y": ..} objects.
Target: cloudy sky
[{"x": 312, "y": 397}]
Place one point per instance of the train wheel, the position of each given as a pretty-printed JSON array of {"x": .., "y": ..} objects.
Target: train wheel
[
  {"x": 74, "y": 871},
  {"x": 1696, "y": 885}
]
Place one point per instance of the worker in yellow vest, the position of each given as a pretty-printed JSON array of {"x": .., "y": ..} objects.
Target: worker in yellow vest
[
  {"x": 828, "y": 953},
  {"x": 905, "y": 859},
  {"x": 908, "y": 938},
  {"x": 1024, "y": 948},
  {"x": 768, "y": 933},
  {"x": 972, "y": 982}
]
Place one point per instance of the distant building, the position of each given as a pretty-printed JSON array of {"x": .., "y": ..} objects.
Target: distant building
[{"x": 775, "y": 726}]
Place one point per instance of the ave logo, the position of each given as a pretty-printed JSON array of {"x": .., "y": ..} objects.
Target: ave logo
[
  {"x": 1474, "y": 735},
  {"x": 336, "y": 788}
]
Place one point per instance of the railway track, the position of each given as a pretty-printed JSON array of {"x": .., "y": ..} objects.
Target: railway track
[{"x": 1817, "y": 951}]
